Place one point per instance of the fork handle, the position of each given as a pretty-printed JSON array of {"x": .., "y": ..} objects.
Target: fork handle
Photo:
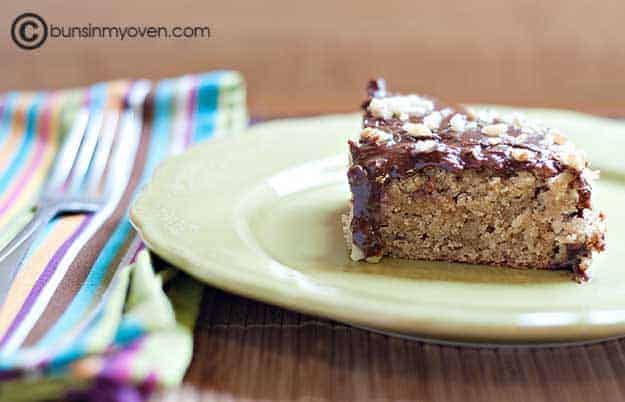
[
  {"x": 42, "y": 216},
  {"x": 12, "y": 255},
  {"x": 10, "y": 266}
]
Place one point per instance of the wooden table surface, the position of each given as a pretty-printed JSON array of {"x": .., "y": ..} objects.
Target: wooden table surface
[{"x": 246, "y": 350}]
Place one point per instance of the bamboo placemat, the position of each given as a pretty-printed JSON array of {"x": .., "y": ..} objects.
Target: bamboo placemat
[{"x": 246, "y": 350}]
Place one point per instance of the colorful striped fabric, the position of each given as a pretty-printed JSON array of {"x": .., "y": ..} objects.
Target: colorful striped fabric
[{"x": 87, "y": 308}]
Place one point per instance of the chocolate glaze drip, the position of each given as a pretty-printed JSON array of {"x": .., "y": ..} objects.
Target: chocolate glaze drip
[{"x": 376, "y": 163}]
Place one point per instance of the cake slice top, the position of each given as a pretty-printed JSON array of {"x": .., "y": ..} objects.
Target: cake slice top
[{"x": 405, "y": 133}]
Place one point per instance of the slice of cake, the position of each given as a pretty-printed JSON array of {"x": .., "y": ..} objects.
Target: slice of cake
[{"x": 434, "y": 181}]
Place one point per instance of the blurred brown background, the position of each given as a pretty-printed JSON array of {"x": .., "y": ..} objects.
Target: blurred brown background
[{"x": 313, "y": 57}]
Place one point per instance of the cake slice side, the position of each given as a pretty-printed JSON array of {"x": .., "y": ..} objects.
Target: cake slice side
[{"x": 439, "y": 182}]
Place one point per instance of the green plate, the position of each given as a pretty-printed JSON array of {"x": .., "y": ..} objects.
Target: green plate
[{"x": 258, "y": 215}]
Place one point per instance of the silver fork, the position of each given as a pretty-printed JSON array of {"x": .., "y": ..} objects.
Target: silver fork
[{"x": 91, "y": 165}]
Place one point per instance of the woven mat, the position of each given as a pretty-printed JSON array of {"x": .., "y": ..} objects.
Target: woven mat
[{"x": 246, "y": 350}]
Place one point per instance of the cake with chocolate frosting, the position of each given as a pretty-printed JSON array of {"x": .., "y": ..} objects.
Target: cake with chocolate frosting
[{"x": 437, "y": 181}]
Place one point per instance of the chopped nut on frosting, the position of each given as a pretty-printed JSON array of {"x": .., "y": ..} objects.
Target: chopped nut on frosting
[
  {"x": 458, "y": 122},
  {"x": 495, "y": 130},
  {"x": 433, "y": 120},
  {"x": 521, "y": 155},
  {"x": 572, "y": 158},
  {"x": 396, "y": 106},
  {"x": 370, "y": 134},
  {"x": 417, "y": 130},
  {"x": 425, "y": 146},
  {"x": 558, "y": 137}
]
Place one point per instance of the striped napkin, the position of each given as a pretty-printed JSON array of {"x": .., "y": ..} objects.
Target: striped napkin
[{"x": 90, "y": 311}]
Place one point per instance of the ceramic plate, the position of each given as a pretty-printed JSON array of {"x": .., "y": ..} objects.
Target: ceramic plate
[{"x": 258, "y": 215}]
